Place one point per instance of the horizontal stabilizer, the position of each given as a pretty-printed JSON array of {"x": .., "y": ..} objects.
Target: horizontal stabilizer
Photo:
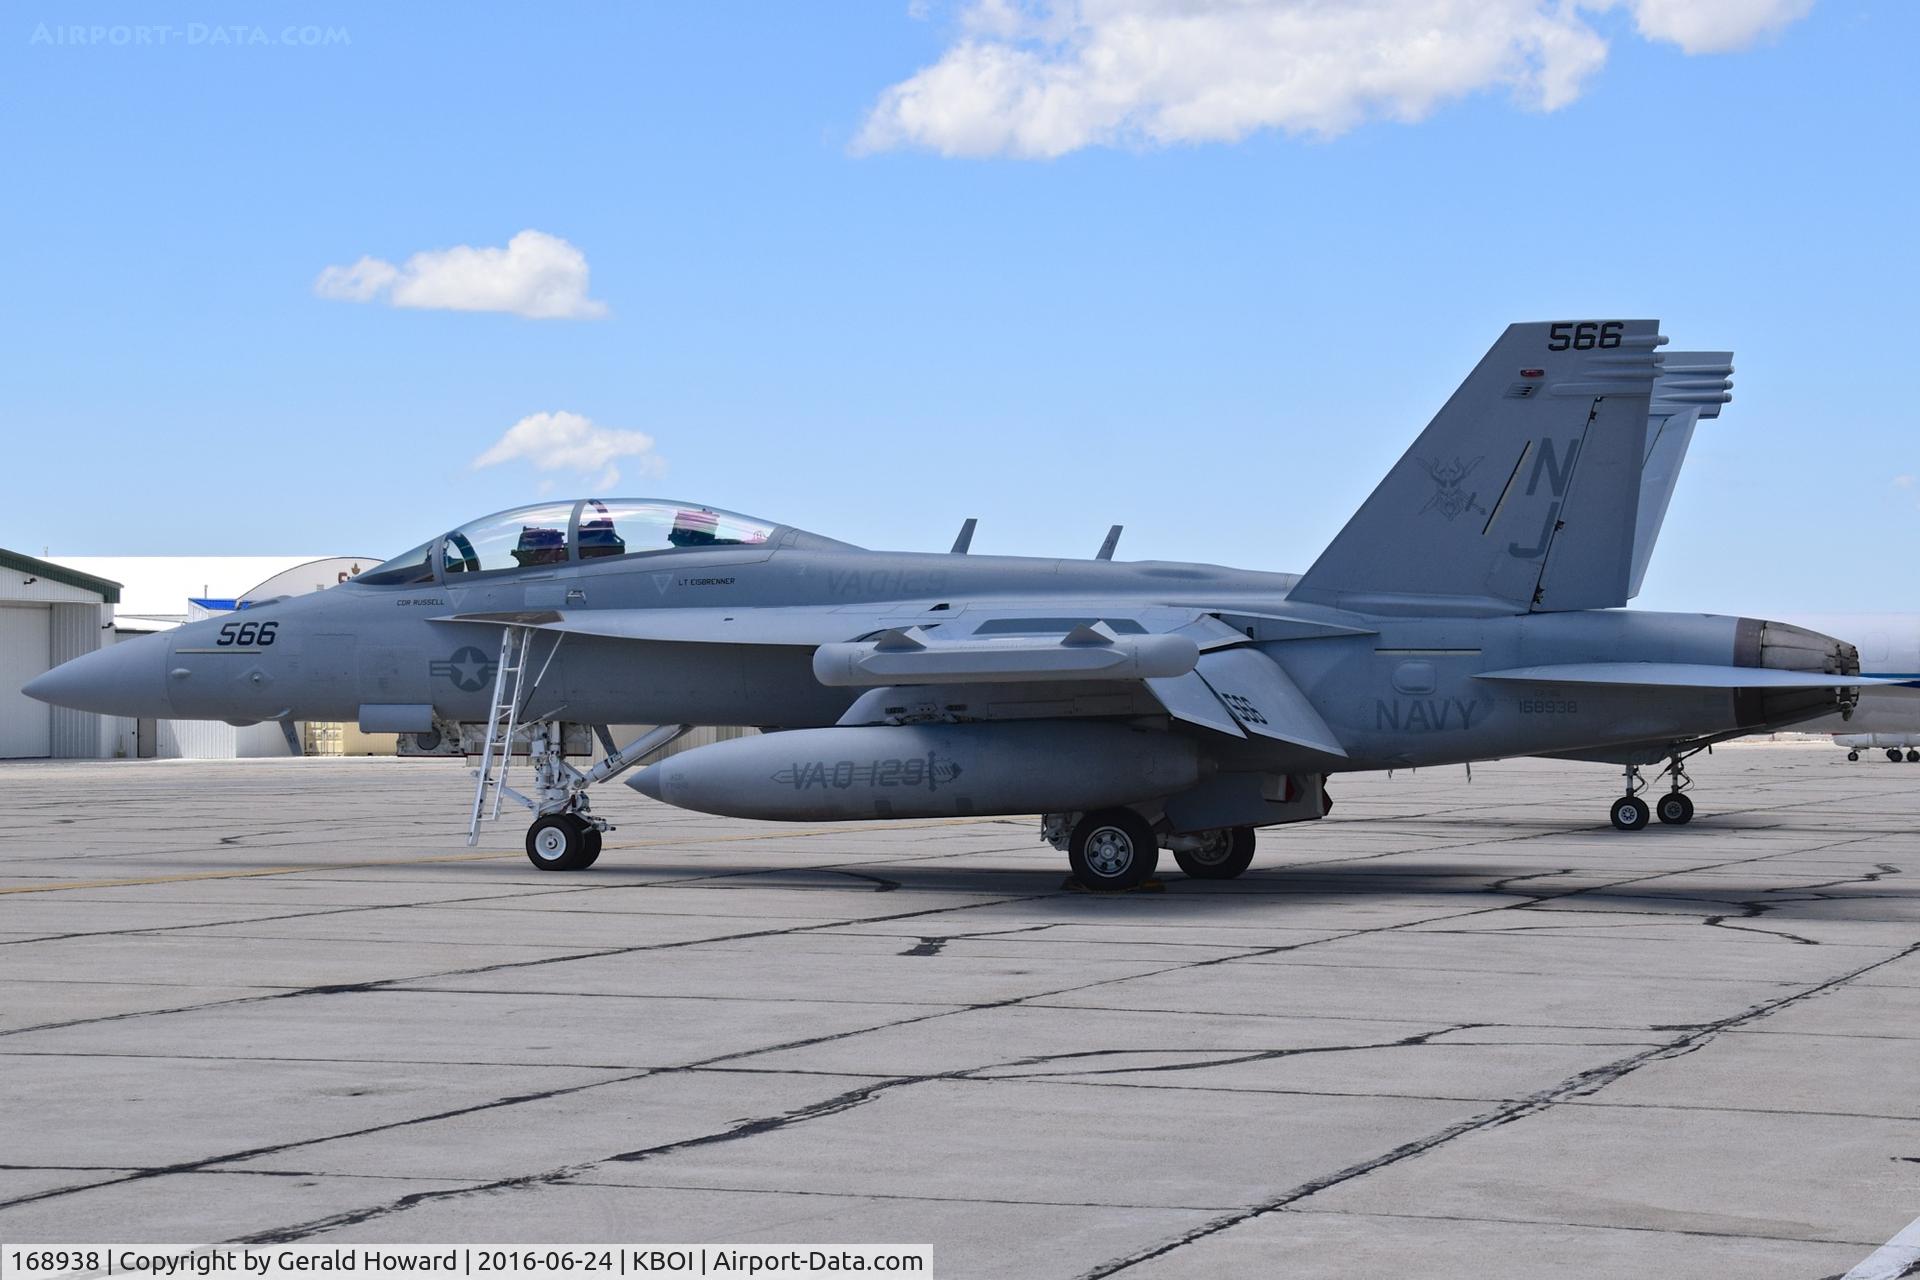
[{"x": 1679, "y": 675}]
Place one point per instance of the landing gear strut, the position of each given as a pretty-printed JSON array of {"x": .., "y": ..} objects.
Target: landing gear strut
[
  {"x": 566, "y": 836},
  {"x": 1630, "y": 812},
  {"x": 1676, "y": 807}
]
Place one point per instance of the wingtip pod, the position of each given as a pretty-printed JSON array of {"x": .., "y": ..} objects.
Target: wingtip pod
[{"x": 1522, "y": 492}]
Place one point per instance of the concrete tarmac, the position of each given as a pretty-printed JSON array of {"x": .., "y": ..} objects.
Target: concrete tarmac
[{"x": 1453, "y": 1030}]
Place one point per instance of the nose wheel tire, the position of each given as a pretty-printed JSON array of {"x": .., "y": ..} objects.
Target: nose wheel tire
[
  {"x": 1113, "y": 849},
  {"x": 1676, "y": 809},
  {"x": 563, "y": 842},
  {"x": 1224, "y": 854},
  {"x": 1630, "y": 813},
  {"x": 1853, "y": 755}
]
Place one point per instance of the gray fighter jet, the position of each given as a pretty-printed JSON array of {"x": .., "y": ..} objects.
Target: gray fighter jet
[{"x": 1468, "y": 611}]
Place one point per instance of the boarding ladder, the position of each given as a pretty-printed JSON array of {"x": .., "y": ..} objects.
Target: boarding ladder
[{"x": 503, "y": 720}]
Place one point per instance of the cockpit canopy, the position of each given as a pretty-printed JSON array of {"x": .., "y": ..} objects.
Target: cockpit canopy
[{"x": 559, "y": 533}]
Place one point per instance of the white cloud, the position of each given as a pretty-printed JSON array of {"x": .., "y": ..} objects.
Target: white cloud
[
  {"x": 1903, "y": 482},
  {"x": 535, "y": 275},
  {"x": 1044, "y": 80},
  {"x": 361, "y": 282},
  {"x": 569, "y": 442},
  {"x": 1715, "y": 26}
]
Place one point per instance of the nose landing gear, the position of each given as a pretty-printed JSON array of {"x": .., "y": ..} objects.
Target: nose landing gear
[{"x": 563, "y": 842}]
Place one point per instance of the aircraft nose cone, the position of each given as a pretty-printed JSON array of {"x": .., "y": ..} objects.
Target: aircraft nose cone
[{"x": 125, "y": 679}]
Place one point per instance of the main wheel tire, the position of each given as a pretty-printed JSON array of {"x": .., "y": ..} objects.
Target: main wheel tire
[
  {"x": 562, "y": 842},
  {"x": 1676, "y": 808},
  {"x": 1630, "y": 813},
  {"x": 1228, "y": 851},
  {"x": 1913, "y": 757},
  {"x": 1113, "y": 849},
  {"x": 1893, "y": 754}
]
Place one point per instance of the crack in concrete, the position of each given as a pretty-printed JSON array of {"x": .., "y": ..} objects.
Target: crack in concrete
[
  {"x": 1580, "y": 1085},
  {"x": 1230, "y": 1058}
]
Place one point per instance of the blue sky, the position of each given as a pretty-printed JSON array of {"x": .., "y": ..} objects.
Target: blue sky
[{"x": 1218, "y": 333}]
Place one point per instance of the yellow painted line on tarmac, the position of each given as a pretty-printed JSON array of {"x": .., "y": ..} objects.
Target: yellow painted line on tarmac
[{"x": 478, "y": 856}]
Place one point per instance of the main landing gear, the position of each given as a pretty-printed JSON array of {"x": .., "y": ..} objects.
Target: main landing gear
[
  {"x": 1220, "y": 854},
  {"x": 1675, "y": 809},
  {"x": 1115, "y": 849}
]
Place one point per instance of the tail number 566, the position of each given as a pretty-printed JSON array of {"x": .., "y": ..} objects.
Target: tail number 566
[
  {"x": 1585, "y": 335},
  {"x": 247, "y": 634}
]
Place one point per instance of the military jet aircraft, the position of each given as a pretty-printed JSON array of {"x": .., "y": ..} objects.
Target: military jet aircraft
[{"x": 1468, "y": 611}]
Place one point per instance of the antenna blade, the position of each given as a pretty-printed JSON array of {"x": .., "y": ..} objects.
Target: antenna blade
[{"x": 965, "y": 538}]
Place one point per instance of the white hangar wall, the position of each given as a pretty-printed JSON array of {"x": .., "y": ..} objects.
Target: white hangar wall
[{"x": 48, "y": 614}]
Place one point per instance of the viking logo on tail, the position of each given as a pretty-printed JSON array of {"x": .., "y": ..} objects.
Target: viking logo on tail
[{"x": 1448, "y": 498}]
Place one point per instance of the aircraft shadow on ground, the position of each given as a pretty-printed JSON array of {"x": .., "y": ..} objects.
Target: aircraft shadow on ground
[{"x": 1875, "y": 891}]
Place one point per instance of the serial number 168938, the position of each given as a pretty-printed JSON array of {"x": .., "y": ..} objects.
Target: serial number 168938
[
  {"x": 56, "y": 1261},
  {"x": 1548, "y": 706}
]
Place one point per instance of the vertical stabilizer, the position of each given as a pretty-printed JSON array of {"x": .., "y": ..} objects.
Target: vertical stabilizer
[{"x": 1523, "y": 492}]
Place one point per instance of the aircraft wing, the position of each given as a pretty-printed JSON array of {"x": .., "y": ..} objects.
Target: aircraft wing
[
  {"x": 1191, "y": 662},
  {"x": 1679, "y": 675}
]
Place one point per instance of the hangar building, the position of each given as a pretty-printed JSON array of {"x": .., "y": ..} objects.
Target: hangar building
[{"x": 48, "y": 614}]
